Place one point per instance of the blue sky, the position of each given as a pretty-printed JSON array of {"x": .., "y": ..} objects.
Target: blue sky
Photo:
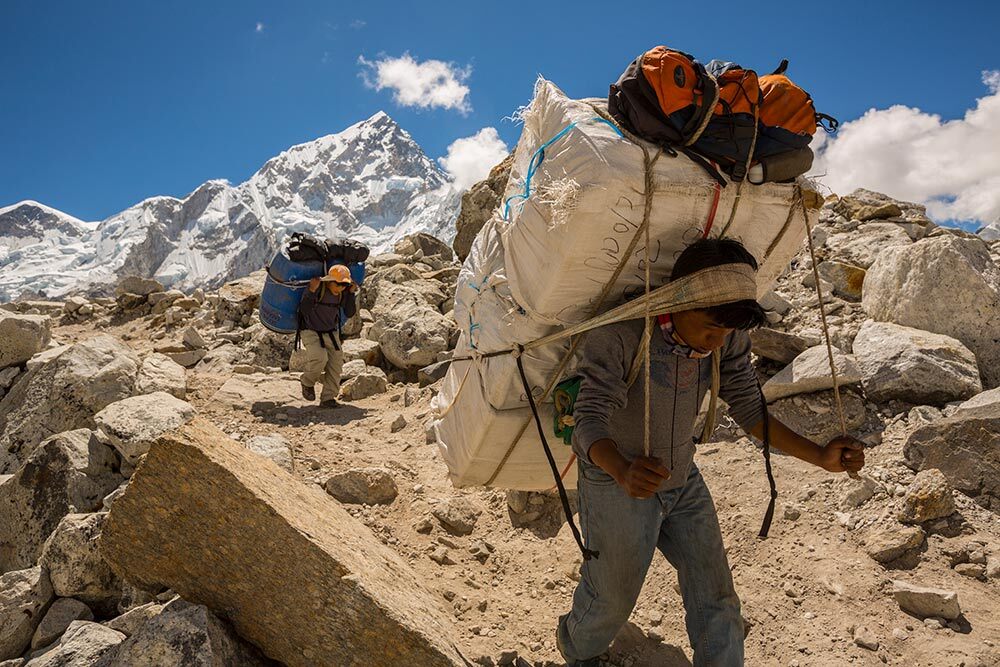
[{"x": 106, "y": 103}]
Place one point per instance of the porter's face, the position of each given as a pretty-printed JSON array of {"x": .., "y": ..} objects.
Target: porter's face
[{"x": 700, "y": 331}]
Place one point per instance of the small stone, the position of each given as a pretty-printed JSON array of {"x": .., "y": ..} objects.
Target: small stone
[
  {"x": 791, "y": 513},
  {"x": 887, "y": 544},
  {"x": 858, "y": 492},
  {"x": 929, "y": 497},
  {"x": 517, "y": 501},
  {"x": 457, "y": 515},
  {"x": 398, "y": 424},
  {"x": 923, "y": 602},
  {"x": 865, "y": 638},
  {"x": 479, "y": 551},
  {"x": 368, "y": 486},
  {"x": 993, "y": 567},
  {"x": 900, "y": 633},
  {"x": 194, "y": 340},
  {"x": 934, "y": 623},
  {"x": 442, "y": 556},
  {"x": 971, "y": 570},
  {"x": 410, "y": 396},
  {"x": 791, "y": 590}
]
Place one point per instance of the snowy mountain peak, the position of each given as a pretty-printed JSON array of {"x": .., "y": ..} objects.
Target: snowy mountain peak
[
  {"x": 371, "y": 182},
  {"x": 31, "y": 219},
  {"x": 991, "y": 232}
]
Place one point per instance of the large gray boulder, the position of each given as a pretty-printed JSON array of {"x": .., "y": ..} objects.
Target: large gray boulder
[
  {"x": 64, "y": 394},
  {"x": 964, "y": 447},
  {"x": 76, "y": 568},
  {"x": 901, "y": 363},
  {"x": 296, "y": 574},
  {"x": 138, "y": 285},
  {"x": 269, "y": 349},
  {"x": 423, "y": 245},
  {"x": 864, "y": 245},
  {"x": 83, "y": 645},
  {"x": 809, "y": 372},
  {"x": 161, "y": 373},
  {"x": 22, "y": 337},
  {"x": 238, "y": 300},
  {"x": 364, "y": 349},
  {"x": 815, "y": 416},
  {"x": 944, "y": 284},
  {"x": 69, "y": 472},
  {"x": 777, "y": 345},
  {"x": 132, "y": 424},
  {"x": 183, "y": 635},
  {"x": 410, "y": 331},
  {"x": 984, "y": 399},
  {"x": 25, "y": 595},
  {"x": 368, "y": 382},
  {"x": 57, "y": 619}
]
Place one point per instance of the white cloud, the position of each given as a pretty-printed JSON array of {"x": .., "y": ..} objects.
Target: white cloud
[
  {"x": 951, "y": 166},
  {"x": 432, "y": 83},
  {"x": 358, "y": 24},
  {"x": 470, "y": 159},
  {"x": 260, "y": 27}
]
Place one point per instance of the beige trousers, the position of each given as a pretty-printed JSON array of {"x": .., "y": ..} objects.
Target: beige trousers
[{"x": 322, "y": 364}]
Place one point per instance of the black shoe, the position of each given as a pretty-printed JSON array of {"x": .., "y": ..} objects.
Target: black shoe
[
  {"x": 331, "y": 403},
  {"x": 309, "y": 393}
]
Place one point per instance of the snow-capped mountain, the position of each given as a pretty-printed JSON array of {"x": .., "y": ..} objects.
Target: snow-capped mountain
[
  {"x": 991, "y": 232},
  {"x": 371, "y": 182}
]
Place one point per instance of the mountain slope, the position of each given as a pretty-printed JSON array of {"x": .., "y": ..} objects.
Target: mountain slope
[{"x": 371, "y": 182}]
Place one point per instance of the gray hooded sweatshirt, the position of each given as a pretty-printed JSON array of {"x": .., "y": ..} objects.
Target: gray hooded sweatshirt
[{"x": 606, "y": 407}]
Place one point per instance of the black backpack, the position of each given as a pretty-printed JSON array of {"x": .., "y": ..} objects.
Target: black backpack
[{"x": 305, "y": 248}]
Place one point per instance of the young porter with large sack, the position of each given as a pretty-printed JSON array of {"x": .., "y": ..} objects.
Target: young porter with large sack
[{"x": 634, "y": 502}]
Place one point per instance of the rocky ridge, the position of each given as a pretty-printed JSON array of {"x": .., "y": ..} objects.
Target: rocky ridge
[{"x": 104, "y": 400}]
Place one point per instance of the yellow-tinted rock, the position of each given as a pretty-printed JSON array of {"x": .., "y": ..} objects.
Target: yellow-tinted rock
[{"x": 289, "y": 567}]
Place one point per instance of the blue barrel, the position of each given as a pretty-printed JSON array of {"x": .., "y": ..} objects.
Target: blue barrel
[{"x": 286, "y": 282}]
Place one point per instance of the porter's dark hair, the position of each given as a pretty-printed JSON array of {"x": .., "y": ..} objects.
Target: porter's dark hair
[{"x": 705, "y": 253}]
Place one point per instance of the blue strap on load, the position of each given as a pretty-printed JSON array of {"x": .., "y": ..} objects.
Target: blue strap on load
[{"x": 539, "y": 155}]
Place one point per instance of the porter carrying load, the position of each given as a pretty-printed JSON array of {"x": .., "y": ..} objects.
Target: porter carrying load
[{"x": 567, "y": 244}]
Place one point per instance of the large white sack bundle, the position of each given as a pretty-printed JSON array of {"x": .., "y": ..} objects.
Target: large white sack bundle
[
  {"x": 543, "y": 261},
  {"x": 473, "y": 438}
]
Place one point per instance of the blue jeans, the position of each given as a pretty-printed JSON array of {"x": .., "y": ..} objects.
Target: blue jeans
[{"x": 683, "y": 525}]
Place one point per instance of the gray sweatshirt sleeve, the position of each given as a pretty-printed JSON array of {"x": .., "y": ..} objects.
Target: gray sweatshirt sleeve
[
  {"x": 602, "y": 387},
  {"x": 738, "y": 382}
]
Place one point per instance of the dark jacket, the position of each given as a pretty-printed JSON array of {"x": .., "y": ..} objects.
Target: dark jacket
[{"x": 320, "y": 310}]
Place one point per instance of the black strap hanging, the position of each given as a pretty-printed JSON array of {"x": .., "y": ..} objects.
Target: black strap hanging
[
  {"x": 769, "y": 515},
  {"x": 587, "y": 553}
]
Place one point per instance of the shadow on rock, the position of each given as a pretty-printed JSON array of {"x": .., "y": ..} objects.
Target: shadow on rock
[
  {"x": 643, "y": 651},
  {"x": 283, "y": 414}
]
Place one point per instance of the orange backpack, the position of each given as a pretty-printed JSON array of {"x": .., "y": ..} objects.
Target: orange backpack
[
  {"x": 788, "y": 119},
  {"x": 729, "y": 135},
  {"x": 664, "y": 96}
]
